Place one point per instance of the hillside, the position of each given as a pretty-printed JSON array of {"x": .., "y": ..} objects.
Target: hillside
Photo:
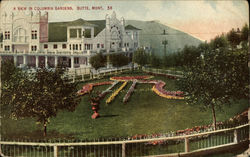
[{"x": 151, "y": 35}]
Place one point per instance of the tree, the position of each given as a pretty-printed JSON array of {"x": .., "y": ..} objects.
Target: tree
[
  {"x": 233, "y": 38},
  {"x": 118, "y": 60},
  {"x": 98, "y": 61},
  {"x": 155, "y": 61},
  {"x": 219, "y": 42},
  {"x": 40, "y": 95},
  {"x": 140, "y": 57},
  {"x": 216, "y": 79},
  {"x": 189, "y": 54},
  {"x": 244, "y": 33}
]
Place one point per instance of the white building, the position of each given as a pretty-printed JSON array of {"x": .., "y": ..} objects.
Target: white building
[{"x": 31, "y": 40}]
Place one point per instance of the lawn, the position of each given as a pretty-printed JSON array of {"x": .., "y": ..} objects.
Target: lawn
[{"x": 144, "y": 113}]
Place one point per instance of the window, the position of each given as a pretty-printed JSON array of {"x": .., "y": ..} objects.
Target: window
[
  {"x": 73, "y": 33},
  {"x": 33, "y": 48},
  {"x": 7, "y": 35},
  {"x": 76, "y": 46},
  {"x": 45, "y": 46},
  {"x": 102, "y": 45},
  {"x": 64, "y": 46},
  {"x": 88, "y": 46},
  {"x": 87, "y": 33},
  {"x": 70, "y": 46},
  {"x": 98, "y": 45},
  {"x": 76, "y": 60},
  {"x": 127, "y": 44},
  {"x": 33, "y": 34},
  {"x": 80, "y": 46},
  {"x": 7, "y": 48},
  {"x": 73, "y": 46},
  {"x": 55, "y": 46}
]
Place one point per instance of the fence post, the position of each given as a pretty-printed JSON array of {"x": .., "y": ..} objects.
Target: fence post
[
  {"x": 55, "y": 151},
  {"x": 236, "y": 137},
  {"x": 123, "y": 150},
  {"x": 73, "y": 78},
  {"x": 186, "y": 144}
]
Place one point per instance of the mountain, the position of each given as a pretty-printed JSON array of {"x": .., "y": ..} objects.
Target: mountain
[{"x": 151, "y": 34}]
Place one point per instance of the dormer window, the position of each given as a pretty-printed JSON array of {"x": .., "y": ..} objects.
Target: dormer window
[{"x": 33, "y": 34}]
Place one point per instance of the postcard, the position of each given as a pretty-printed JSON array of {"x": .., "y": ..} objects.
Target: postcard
[{"x": 111, "y": 78}]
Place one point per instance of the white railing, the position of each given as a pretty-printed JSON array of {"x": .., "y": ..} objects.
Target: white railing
[
  {"x": 139, "y": 146},
  {"x": 86, "y": 74},
  {"x": 174, "y": 73}
]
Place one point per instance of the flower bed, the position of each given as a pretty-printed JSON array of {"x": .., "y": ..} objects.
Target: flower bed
[
  {"x": 103, "y": 94},
  {"x": 111, "y": 98},
  {"x": 130, "y": 78},
  {"x": 88, "y": 87},
  {"x": 234, "y": 121},
  {"x": 158, "y": 89},
  {"x": 131, "y": 89}
]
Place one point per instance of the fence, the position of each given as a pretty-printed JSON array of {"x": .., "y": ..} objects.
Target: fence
[
  {"x": 163, "y": 71},
  {"x": 165, "y": 144},
  {"x": 81, "y": 75},
  {"x": 85, "y": 74}
]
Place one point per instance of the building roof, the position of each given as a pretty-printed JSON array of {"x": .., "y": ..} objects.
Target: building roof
[
  {"x": 80, "y": 22},
  {"x": 58, "y": 30},
  {"x": 130, "y": 27}
]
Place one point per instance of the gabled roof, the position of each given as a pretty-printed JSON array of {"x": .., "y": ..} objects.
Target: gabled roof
[
  {"x": 100, "y": 25},
  {"x": 130, "y": 27},
  {"x": 80, "y": 22}
]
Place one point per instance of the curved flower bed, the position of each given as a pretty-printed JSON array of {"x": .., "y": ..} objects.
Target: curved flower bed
[
  {"x": 158, "y": 89},
  {"x": 111, "y": 98},
  {"x": 130, "y": 78},
  {"x": 88, "y": 87},
  {"x": 131, "y": 89}
]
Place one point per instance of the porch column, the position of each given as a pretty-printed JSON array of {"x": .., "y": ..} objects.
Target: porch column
[
  {"x": 37, "y": 61},
  {"x": 56, "y": 61},
  {"x": 108, "y": 61},
  {"x": 72, "y": 62},
  {"x": 15, "y": 60},
  {"x": 25, "y": 60},
  {"x": 88, "y": 60},
  {"x": 46, "y": 61}
]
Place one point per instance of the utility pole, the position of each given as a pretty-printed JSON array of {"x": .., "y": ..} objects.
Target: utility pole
[{"x": 165, "y": 42}]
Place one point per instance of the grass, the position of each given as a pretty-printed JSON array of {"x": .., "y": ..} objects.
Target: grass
[{"x": 144, "y": 113}]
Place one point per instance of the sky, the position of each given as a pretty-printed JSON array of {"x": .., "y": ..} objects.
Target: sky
[{"x": 203, "y": 19}]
